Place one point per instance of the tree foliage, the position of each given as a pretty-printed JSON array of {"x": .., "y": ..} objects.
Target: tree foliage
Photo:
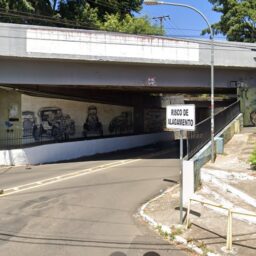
[
  {"x": 238, "y": 20},
  {"x": 129, "y": 24},
  {"x": 111, "y": 15}
]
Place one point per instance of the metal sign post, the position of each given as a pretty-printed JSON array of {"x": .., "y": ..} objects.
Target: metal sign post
[
  {"x": 181, "y": 118},
  {"x": 181, "y": 175}
]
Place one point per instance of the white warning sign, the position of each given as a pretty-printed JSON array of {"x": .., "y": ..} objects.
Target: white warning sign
[{"x": 180, "y": 117}]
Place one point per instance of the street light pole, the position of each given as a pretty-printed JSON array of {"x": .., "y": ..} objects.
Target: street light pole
[{"x": 155, "y": 2}]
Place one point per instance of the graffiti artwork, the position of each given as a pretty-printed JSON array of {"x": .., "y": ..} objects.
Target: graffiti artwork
[
  {"x": 92, "y": 125},
  {"x": 121, "y": 124}
]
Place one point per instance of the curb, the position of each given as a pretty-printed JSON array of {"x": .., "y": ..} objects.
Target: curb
[
  {"x": 206, "y": 176},
  {"x": 167, "y": 231},
  {"x": 225, "y": 187}
]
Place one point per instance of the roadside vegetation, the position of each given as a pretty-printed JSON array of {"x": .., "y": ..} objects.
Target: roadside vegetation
[
  {"x": 237, "y": 21},
  {"x": 252, "y": 160},
  {"x": 109, "y": 15}
]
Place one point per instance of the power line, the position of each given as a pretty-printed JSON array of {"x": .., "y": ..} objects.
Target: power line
[
  {"x": 73, "y": 24},
  {"x": 178, "y": 37},
  {"x": 45, "y": 19},
  {"x": 83, "y": 25},
  {"x": 192, "y": 36},
  {"x": 162, "y": 19},
  {"x": 49, "y": 18}
]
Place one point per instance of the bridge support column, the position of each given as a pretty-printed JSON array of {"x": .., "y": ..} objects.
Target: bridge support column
[
  {"x": 138, "y": 114},
  {"x": 139, "y": 119}
]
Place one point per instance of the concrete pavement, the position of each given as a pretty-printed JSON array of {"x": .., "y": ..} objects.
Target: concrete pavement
[{"x": 229, "y": 182}]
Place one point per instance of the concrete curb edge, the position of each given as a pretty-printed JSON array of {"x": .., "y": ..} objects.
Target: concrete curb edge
[{"x": 167, "y": 230}]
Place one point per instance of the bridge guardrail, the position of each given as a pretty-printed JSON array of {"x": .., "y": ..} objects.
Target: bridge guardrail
[{"x": 202, "y": 135}]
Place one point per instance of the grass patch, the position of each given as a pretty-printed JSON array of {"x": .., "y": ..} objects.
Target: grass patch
[
  {"x": 204, "y": 248},
  {"x": 176, "y": 231},
  {"x": 161, "y": 232},
  {"x": 252, "y": 160}
]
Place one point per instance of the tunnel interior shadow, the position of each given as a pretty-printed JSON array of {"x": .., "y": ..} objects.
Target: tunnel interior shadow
[{"x": 161, "y": 150}]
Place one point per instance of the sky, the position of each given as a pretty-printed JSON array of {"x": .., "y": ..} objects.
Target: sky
[{"x": 183, "y": 22}]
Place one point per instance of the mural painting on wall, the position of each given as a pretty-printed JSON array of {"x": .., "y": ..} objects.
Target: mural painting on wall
[
  {"x": 29, "y": 122},
  {"x": 49, "y": 119},
  {"x": 92, "y": 125},
  {"x": 51, "y": 122},
  {"x": 121, "y": 124}
]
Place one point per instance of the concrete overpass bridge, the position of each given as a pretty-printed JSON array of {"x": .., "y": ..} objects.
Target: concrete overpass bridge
[
  {"x": 40, "y": 57},
  {"x": 44, "y": 70}
]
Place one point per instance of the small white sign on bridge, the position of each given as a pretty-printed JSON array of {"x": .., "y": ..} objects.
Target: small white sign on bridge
[{"x": 180, "y": 117}]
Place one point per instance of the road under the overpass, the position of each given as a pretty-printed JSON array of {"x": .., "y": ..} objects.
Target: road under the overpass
[{"x": 93, "y": 214}]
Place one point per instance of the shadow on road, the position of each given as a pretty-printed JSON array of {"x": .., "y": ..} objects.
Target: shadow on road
[
  {"x": 146, "y": 254},
  {"x": 142, "y": 152},
  {"x": 71, "y": 242}
]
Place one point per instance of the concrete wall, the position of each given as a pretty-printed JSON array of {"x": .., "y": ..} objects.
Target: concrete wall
[
  {"x": 10, "y": 115},
  {"x": 100, "y": 119},
  {"x": 53, "y": 72},
  {"x": 72, "y": 150},
  {"x": 73, "y": 44},
  {"x": 248, "y": 104},
  {"x": 57, "y": 56},
  {"x": 32, "y": 120},
  {"x": 194, "y": 165}
]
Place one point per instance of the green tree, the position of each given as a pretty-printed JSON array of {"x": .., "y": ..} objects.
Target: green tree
[
  {"x": 238, "y": 20},
  {"x": 111, "y": 15},
  {"x": 19, "y": 11},
  {"x": 130, "y": 25},
  {"x": 79, "y": 12},
  {"x": 22, "y": 5}
]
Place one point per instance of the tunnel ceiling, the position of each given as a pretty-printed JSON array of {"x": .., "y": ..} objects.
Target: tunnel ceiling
[{"x": 126, "y": 96}]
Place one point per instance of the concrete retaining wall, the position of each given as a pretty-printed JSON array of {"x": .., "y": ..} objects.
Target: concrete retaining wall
[
  {"x": 72, "y": 150},
  {"x": 194, "y": 165}
]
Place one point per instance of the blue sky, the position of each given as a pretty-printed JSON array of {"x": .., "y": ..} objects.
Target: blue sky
[{"x": 183, "y": 22}]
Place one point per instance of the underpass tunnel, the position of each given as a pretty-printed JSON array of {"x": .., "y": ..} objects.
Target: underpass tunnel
[{"x": 40, "y": 113}]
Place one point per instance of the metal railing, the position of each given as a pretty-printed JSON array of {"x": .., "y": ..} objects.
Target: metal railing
[
  {"x": 202, "y": 135},
  {"x": 231, "y": 212},
  {"x": 16, "y": 137}
]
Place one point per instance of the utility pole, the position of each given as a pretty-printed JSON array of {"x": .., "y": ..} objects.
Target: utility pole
[{"x": 162, "y": 19}]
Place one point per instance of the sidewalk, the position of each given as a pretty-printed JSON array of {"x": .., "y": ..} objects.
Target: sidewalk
[{"x": 229, "y": 182}]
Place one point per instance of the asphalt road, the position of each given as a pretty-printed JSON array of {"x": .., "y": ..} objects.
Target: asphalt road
[{"x": 92, "y": 214}]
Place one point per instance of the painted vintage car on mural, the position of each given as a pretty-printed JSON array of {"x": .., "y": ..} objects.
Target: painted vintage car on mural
[
  {"x": 53, "y": 123},
  {"x": 121, "y": 124},
  {"x": 29, "y": 122}
]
